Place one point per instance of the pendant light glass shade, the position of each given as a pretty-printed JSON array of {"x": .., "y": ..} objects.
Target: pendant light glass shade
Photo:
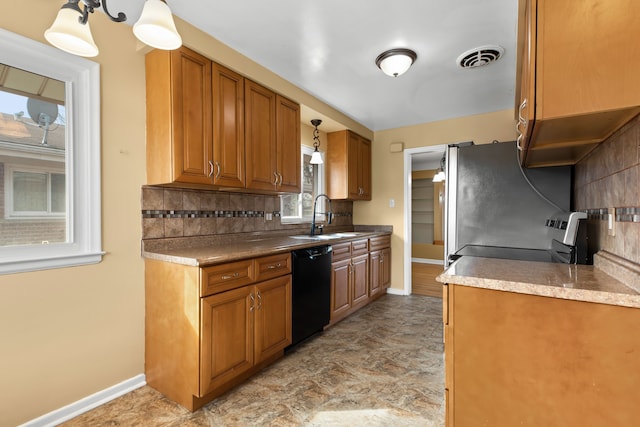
[
  {"x": 396, "y": 62},
  {"x": 156, "y": 27},
  {"x": 68, "y": 34},
  {"x": 316, "y": 158},
  {"x": 439, "y": 177}
]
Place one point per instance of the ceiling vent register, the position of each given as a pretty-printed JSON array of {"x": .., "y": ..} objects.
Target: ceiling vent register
[{"x": 479, "y": 56}]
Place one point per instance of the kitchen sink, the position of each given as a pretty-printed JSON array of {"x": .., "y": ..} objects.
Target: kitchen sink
[{"x": 326, "y": 236}]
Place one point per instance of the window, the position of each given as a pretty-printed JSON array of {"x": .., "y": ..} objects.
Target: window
[
  {"x": 49, "y": 157},
  {"x": 297, "y": 208}
]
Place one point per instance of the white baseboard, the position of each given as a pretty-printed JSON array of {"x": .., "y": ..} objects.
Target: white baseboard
[
  {"x": 394, "y": 291},
  {"x": 81, "y": 406}
]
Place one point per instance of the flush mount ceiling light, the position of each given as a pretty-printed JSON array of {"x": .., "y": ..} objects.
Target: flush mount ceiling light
[
  {"x": 395, "y": 62},
  {"x": 316, "y": 157},
  {"x": 70, "y": 31}
]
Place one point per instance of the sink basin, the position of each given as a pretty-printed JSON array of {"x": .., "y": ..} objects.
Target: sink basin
[{"x": 326, "y": 236}]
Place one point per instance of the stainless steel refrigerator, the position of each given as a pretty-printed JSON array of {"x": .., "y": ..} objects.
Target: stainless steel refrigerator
[{"x": 492, "y": 201}]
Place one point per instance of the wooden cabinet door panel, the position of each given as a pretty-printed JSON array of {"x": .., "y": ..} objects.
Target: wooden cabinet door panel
[
  {"x": 272, "y": 317},
  {"x": 353, "y": 173},
  {"x": 375, "y": 278},
  {"x": 364, "y": 168},
  {"x": 288, "y": 145},
  {"x": 227, "y": 326},
  {"x": 385, "y": 280},
  {"x": 360, "y": 279},
  {"x": 340, "y": 292},
  {"x": 191, "y": 116},
  {"x": 260, "y": 137},
  {"x": 228, "y": 127}
]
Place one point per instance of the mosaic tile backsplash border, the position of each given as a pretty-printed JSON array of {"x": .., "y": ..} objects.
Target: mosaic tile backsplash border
[
  {"x": 621, "y": 215},
  {"x": 169, "y": 212}
]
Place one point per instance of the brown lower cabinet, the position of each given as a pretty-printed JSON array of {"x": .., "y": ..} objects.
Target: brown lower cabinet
[
  {"x": 208, "y": 329},
  {"x": 523, "y": 360},
  {"x": 360, "y": 271}
]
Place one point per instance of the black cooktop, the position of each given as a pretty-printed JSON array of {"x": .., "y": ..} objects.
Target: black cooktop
[{"x": 522, "y": 254}]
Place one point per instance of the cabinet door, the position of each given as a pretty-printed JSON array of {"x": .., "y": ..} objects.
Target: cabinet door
[
  {"x": 260, "y": 137},
  {"x": 179, "y": 136},
  {"x": 360, "y": 279},
  {"x": 272, "y": 317},
  {"x": 227, "y": 332},
  {"x": 385, "y": 279},
  {"x": 228, "y": 127},
  {"x": 340, "y": 292},
  {"x": 288, "y": 145},
  {"x": 364, "y": 169},
  {"x": 353, "y": 172},
  {"x": 375, "y": 279}
]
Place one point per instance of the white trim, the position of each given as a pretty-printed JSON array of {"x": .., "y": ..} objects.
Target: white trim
[
  {"x": 88, "y": 403},
  {"x": 407, "y": 208},
  {"x": 82, "y": 156},
  {"x": 427, "y": 261},
  {"x": 394, "y": 291}
]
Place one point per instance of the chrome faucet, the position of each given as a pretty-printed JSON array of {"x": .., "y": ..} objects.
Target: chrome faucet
[{"x": 329, "y": 214}]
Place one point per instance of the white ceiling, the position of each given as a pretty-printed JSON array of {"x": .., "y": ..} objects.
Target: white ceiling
[{"x": 328, "y": 48}]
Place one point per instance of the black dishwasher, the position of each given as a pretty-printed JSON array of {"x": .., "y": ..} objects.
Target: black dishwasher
[{"x": 311, "y": 293}]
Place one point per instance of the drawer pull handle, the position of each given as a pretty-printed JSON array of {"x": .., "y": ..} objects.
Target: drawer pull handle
[
  {"x": 272, "y": 266},
  {"x": 230, "y": 276}
]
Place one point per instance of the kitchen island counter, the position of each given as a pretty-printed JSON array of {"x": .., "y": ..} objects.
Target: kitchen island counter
[{"x": 566, "y": 281}]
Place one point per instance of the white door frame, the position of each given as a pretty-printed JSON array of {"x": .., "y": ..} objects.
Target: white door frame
[{"x": 407, "y": 208}]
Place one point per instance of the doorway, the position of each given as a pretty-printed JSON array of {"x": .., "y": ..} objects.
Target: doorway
[{"x": 424, "y": 202}]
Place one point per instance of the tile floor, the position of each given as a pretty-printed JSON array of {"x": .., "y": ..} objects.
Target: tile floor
[{"x": 382, "y": 366}]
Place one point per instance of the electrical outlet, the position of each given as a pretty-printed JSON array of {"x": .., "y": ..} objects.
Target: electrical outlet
[
  {"x": 392, "y": 203},
  {"x": 268, "y": 216}
]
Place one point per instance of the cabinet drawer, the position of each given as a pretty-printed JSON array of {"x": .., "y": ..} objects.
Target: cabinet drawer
[
  {"x": 341, "y": 251},
  {"x": 377, "y": 243},
  {"x": 359, "y": 247},
  {"x": 226, "y": 276},
  {"x": 272, "y": 266}
]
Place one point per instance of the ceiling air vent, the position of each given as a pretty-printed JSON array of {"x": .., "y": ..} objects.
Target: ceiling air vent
[{"x": 480, "y": 56}]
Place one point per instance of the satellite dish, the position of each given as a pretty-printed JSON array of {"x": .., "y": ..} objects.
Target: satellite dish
[{"x": 43, "y": 113}]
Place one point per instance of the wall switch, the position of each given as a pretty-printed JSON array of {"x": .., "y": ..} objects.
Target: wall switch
[
  {"x": 392, "y": 203},
  {"x": 268, "y": 216}
]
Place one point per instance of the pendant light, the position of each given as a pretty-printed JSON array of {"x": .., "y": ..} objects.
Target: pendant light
[
  {"x": 395, "y": 62},
  {"x": 440, "y": 176},
  {"x": 71, "y": 32},
  {"x": 316, "y": 157}
]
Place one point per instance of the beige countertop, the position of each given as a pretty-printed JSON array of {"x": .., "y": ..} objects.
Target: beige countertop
[
  {"x": 209, "y": 251},
  {"x": 565, "y": 281}
]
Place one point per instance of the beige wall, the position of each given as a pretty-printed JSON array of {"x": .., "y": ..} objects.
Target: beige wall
[
  {"x": 69, "y": 333},
  {"x": 388, "y": 170}
]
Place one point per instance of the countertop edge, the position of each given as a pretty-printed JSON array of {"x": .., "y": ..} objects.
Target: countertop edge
[{"x": 222, "y": 252}]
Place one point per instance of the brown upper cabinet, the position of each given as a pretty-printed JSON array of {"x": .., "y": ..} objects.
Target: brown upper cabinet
[
  {"x": 579, "y": 77},
  {"x": 348, "y": 166},
  {"x": 209, "y": 126},
  {"x": 272, "y": 140},
  {"x": 179, "y": 136}
]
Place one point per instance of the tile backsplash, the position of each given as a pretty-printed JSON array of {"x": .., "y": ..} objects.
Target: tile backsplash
[
  {"x": 175, "y": 212},
  {"x": 606, "y": 183}
]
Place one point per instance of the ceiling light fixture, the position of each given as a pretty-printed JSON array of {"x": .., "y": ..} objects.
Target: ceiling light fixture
[
  {"x": 316, "y": 157},
  {"x": 440, "y": 176},
  {"x": 395, "y": 62},
  {"x": 71, "y": 32}
]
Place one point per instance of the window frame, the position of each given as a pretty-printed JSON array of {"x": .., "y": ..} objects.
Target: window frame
[
  {"x": 82, "y": 156},
  {"x": 10, "y": 212},
  {"x": 320, "y": 189}
]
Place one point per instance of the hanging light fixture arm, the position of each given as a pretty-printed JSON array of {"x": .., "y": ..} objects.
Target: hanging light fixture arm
[{"x": 89, "y": 7}]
